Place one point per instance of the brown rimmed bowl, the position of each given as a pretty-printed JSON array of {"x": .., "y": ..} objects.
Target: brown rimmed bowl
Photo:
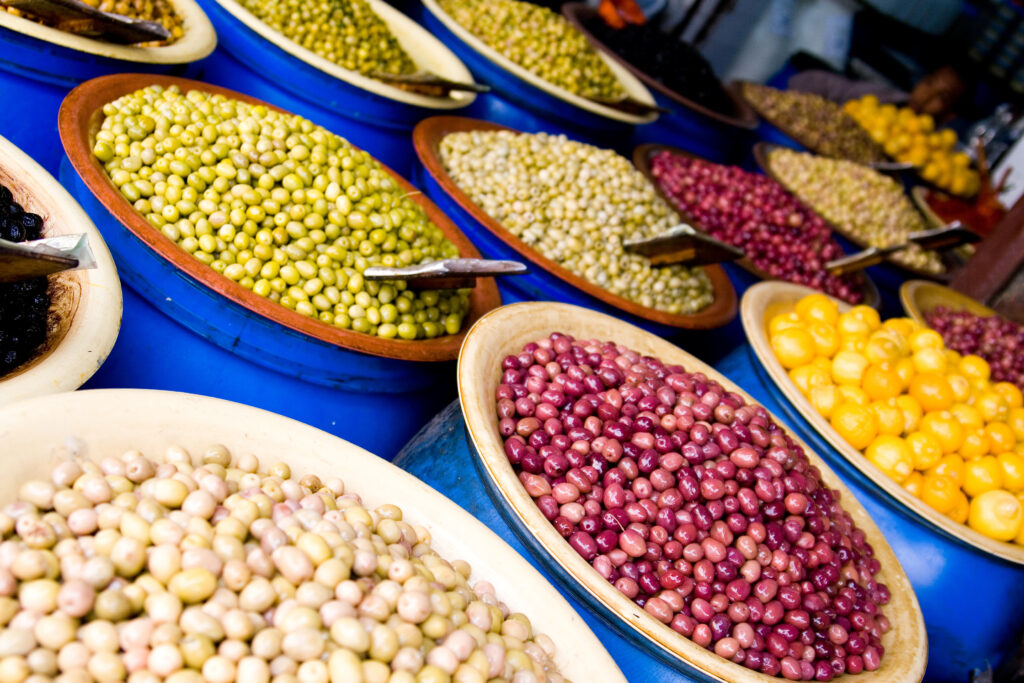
[
  {"x": 97, "y": 424},
  {"x": 967, "y": 584},
  {"x": 762, "y": 152},
  {"x": 548, "y": 280},
  {"x": 240, "y": 345},
  {"x": 85, "y": 305},
  {"x": 642, "y": 157},
  {"x": 645, "y": 648}
]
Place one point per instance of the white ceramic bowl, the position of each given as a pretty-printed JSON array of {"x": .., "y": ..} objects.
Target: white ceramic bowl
[
  {"x": 630, "y": 83},
  {"x": 88, "y": 302},
  {"x": 198, "y": 41},
  {"x": 428, "y": 52},
  {"x": 96, "y": 423}
]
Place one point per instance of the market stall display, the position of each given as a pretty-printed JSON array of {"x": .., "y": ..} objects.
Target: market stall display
[
  {"x": 781, "y": 237},
  {"x": 289, "y": 54},
  {"x": 526, "y": 101},
  {"x": 866, "y": 207},
  {"x": 706, "y": 117},
  {"x": 57, "y": 330},
  {"x": 42, "y": 63},
  {"x": 262, "y": 351},
  {"x": 577, "y": 256},
  {"x": 813, "y": 122},
  {"x": 644, "y": 644},
  {"x": 335, "y": 552},
  {"x": 943, "y": 557},
  {"x": 912, "y": 138}
]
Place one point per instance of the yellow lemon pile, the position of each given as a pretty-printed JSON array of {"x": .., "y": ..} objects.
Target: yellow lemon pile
[
  {"x": 910, "y": 138},
  {"x": 926, "y": 416}
]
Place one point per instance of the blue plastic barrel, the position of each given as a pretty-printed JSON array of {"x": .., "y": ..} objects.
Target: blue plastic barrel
[
  {"x": 541, "y": 285},
  {"x": 520, "y": 100},
  {"x": 972, "y": 601},
  {"x": 39, "y": 65},
  {"x": 256, "y": 59}
]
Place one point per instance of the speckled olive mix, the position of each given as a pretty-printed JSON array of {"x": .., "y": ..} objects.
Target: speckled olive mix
[
  {"x": 160, "y": 11},
  {"x": 209, "y": 569},
  {"x": 346, "y": 32},
  {"x": 540, "y": 41},
  {"x": 813, "y": 120},
  {"x": 868, "y": 205},
  {"x": 694, "y": 504},
  {"x": 283, "y": 207},
  {"x": 575, "y": 204},
  {"x": 25, "y": 305}
]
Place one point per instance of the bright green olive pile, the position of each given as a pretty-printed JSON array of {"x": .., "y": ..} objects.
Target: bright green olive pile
[
  {"x": 207, "y": 569},
  {"x": 540, "y": 41},
  {"x": 279, "y": 205},
  {"x": 575, "y": 204},
  {"x": 346, "y": 32},
  {"x": 870, "y": 206}
]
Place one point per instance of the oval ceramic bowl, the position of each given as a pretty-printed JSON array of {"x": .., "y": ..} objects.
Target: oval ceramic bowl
[
  {"x": 742, "y": 114},
  {"x": 762, "y": 151},
  {"x": 80, "y": 118},
  {"x": 198, "y": 40},
  {"x": 428, "y": 52},
  {"x": 919, "y": 298},
  {"x": 94, "y": 424},
  {"x": 427, "y": 138},
  {"x": 633, "y": 87},
  {"x": 642, "y": 157},
  {"x": 505, "y": 331},
  {"x": 85, "y": 308},
  {"x": 758, "y": 307}
]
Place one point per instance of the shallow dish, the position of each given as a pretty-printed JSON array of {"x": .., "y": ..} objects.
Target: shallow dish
[
  {"x": 80, "y": 118},
  {"x": 427, "y": 138},
  {"x": 428, "y": 52},
  {"x": 85, "y": 307},
  {"x": 505, "y": 331},
  {"x": 102, "y": 422},
  {"x": 770, "y": 298},
  {"x": 633, "y": 87},
  {"x": 642, "y": 157},
  {"x": 742, "y": 116},
  {"x": 919, "y": 298}
]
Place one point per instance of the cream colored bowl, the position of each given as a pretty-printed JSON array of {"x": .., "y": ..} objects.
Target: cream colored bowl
[
  {"x": 428, "y": 52},
  {"x": 505, "y": 331},
  {"x": 93, "y": 424},
  {"x": 86, "y": 302},
  {"x": 630, "y": 83},
  {"x": 198, "y": 41}
]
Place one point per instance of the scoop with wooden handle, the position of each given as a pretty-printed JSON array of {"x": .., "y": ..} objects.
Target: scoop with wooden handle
[
  {"x": 683, "y": 244},
  {"x": 949, "y": 237},
  {"x": 453, "y": 273},
  {"x": 428, "y": 83},
  {"x": 74, "y": 16},
  {"x": 628, "y": 105},
  {"x": 26, "y": 260}
]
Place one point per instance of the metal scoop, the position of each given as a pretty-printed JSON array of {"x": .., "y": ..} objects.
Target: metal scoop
[
  {"x": 25, "y": 260},
  {"x": 75, "y": 16},
  {"x": 949, "y": 237},
  {"x": 683, "y": 244},
  {"x": 453, "y": 273},
  {"x": 428, "y": 83}
]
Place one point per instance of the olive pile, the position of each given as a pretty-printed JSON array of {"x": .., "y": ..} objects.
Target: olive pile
[
  {"x": 868, "y": 205},
  {"x": 24, "y": 305},
  {"x": 575, "y": 204},
  {"x": 346, "y": 32},
  {"x": 815, "y": 122},
  {"x": 540, "y": 41},
  {"x": 210, "y": 570},
  {"x": 279, "y": 205}
]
